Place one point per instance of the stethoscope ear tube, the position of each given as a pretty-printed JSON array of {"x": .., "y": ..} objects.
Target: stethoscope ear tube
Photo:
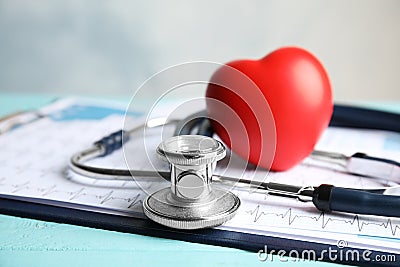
[
  {"x": 329, "y": 198},
  {"x": 362, "y": 118},
  {"x": 343, "y": 116}
]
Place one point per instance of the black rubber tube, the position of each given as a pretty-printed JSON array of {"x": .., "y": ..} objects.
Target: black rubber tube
[
  {"x": 363, "y": 118},
  {"x": 361, "y": 202}
]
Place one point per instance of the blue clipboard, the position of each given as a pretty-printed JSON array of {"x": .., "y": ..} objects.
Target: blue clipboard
[{"x": 343, "y": 116}]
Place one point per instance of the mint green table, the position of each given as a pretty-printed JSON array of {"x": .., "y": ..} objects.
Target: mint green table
[{"x": 26, "y": 242}]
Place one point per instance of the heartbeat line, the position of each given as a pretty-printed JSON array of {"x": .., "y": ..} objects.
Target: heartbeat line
[
  {"x": 103, "y": 199},
  {"x": 321, "y": 217},
  {"x": 22, "y": 186}
]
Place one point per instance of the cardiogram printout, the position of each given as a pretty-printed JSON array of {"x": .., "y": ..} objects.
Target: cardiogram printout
[{"x": 34, "y": 166}]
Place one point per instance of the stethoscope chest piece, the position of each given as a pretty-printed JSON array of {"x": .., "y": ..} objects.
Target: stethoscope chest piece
[{"x": 191, "y": 202}]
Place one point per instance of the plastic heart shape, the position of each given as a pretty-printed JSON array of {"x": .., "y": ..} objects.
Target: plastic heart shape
[{"x": 282, "y": 109}]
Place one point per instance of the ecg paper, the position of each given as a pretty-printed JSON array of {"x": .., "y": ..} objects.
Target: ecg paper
[{"x": 34, "y": 166}]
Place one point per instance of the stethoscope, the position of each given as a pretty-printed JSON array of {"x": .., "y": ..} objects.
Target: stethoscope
[{"x": 192, "y": 202}]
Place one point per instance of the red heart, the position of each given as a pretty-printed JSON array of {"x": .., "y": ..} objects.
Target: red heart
[{"x": 295, "y": 86}]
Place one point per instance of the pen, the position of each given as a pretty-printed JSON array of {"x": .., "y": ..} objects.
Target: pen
[{"x": 18, "y": 118}]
